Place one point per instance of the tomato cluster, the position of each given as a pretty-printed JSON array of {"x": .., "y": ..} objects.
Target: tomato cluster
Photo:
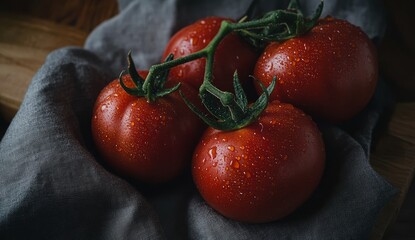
[{"x": 261, "y": 172}]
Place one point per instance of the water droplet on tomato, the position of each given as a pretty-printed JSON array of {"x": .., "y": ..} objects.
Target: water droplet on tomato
[
  {"x": 271, "y": 66},
  {"x": 103, "y": 107},
  {"x": 212, "y": 153},
  {"x": 193, "y": 41},
  {"x": 214, "y": 164},
  {"x": 202, "y": 22},
  {"x": 132, "y": 123},
  {"x": 247, "y": 174},
  {"x": 262, "y": 126},
  {"x": 180, "y": 73},
  {"x": 231, "y": 148},
  {"x": 235, "y": 164},
  {"x": 118, "y": 148}
]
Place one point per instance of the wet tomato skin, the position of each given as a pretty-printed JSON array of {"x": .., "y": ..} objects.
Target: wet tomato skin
[
  {"x": 262, "y": 172},
  {"x": 148, "y": 142},
  {"x": 330, "y": 72},
  {"x": 232, "y": 54}
]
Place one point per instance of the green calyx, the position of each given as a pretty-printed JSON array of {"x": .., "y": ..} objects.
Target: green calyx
[
  {"x": 150, "y": 89},
  {"x": 227, "y": 111},
  {"x": 230, "y": 111},
  {"x": 280, "y": 25}
]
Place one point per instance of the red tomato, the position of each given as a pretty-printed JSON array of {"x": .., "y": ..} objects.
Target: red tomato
[
  {"x": 330, "y": 72},
  {"x": 150, "y": 142},
  {"x": 232, "y": 54},
  {"x": 264, "y": 171}
]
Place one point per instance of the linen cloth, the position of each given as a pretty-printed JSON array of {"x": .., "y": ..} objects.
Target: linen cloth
[{"x": 53, "y": 186}]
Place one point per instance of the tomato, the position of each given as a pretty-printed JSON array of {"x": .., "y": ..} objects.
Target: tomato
[
  {"x": 330, "y": 72},
  {"x": 232, "y": 54},
  {"x": 149, "y": 142},
  {"x": 264, "y": 171}
]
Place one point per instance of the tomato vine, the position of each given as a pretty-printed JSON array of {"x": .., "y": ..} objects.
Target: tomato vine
[{"x": 230, "y": 110}]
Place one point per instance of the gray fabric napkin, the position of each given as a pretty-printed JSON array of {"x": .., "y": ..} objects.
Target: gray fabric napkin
[{"x": 52, "y": 185}]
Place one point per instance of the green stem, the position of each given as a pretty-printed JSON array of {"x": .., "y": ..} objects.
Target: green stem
[
  {"x": 225, "y": 29},
  {"x": 209, "y": 51},
  {"x": 158, "y": 68},
  {"x": 231, "y": 111}
]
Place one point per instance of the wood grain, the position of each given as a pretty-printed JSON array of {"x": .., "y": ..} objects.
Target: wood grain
[
  {"x": 84, "y": 15},
  {"x": 394, "y": 159},
  {"x": 24, "y": 44}
]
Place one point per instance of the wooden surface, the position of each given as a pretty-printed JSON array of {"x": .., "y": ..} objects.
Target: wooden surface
[
  {"x": 84, "y": 15},
  {"x": 394, "y": 159},
  {"x": 29, "y": 30},
  {"x": 24, "y": 44}
]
